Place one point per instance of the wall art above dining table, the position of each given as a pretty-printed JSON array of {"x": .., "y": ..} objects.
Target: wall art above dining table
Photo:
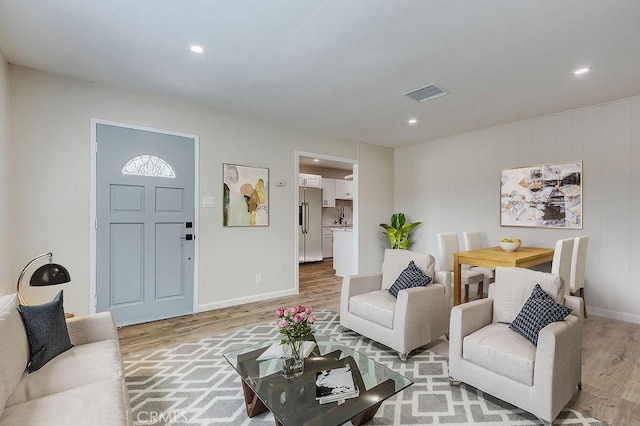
[{"x": 543, "y": 196}]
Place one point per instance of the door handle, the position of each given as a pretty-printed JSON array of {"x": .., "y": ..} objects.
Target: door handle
[{"x": 188, "y": 237}]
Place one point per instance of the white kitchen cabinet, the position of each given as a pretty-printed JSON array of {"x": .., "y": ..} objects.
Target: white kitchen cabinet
[
  {"x": 309, "y": 180},
  {"x": 328, "y": 192},
  {"x": 327, "y": 243},
  {"x": 344, "y": 189},
  {"x": 349, "y": 189}
]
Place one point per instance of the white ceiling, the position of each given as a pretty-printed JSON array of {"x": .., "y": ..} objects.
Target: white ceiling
[
  {"x": 340, "y": 67},
  {"x": 327, "y": 164}
]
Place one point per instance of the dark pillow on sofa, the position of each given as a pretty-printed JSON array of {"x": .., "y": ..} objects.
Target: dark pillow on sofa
[
  {"x": 46, "y": 331},
  {"x": 538, "y": 311},
  {"x": 412, "y": 276}
]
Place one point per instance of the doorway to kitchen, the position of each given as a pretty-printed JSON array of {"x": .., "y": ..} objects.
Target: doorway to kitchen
[{"x": 326, "y": 218}]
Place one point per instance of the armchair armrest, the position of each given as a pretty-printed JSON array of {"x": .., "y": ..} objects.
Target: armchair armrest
[
  {"x": 444, "y": 277},
  {"x": 91, "y": 328},
  {"x": 418, "y": 306},
  {"x": 465, "y": 319},
  {"x": 353, "y": 285},
  {"x": 559, "y": 355},
  {"x": 576, "y": 306}
]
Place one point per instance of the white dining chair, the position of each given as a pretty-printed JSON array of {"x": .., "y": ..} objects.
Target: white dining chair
[
  {"x": 578, "y": 265},
  {"x": 561, "y": 264},
  {"x": 473, "y": 241},
  {"x": 448, "y": 244}
]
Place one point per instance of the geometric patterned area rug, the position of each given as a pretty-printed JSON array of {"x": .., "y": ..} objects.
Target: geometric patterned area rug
[{"x": 192, "y": 384}]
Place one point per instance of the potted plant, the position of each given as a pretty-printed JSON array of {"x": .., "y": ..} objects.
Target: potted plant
[{"x": 398, "y": 232}]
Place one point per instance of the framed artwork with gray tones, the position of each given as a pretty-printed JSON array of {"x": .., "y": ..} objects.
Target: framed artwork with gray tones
[
  {"x": 544, "y": 196},
  {"x": 245, "y": 195}
]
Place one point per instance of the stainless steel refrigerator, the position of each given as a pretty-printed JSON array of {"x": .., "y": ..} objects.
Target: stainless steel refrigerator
[{"x": 310, "y": 221}]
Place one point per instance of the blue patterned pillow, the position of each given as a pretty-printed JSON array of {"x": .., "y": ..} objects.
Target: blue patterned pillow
[
  {"x": 412, "y": 276},
  {"x": 46, "y": 331},
  {"x": 538, "y": 311}
]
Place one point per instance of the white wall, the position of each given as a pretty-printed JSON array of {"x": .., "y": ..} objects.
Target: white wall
[
  {"x": 6, "y": 277},
  {"x": 375, "y": 190},
  {"x": 453, "y": 184},
  {"x": 50, "y": 118}
]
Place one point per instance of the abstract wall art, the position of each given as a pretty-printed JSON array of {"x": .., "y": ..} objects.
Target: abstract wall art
[
  {"x": 245, "y": 195},
  {"x": 545, "y": 196}
]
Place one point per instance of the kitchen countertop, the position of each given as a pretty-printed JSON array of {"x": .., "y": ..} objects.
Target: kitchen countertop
[
  {"x": 332, "y": 222},
  {"x": 337, "y": 225}
]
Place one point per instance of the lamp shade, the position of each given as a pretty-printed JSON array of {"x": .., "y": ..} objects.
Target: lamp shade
[{"x": 50, "y": 274}]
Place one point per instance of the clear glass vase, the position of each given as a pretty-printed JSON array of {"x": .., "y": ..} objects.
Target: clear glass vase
[{"x": 293, "y": 366}]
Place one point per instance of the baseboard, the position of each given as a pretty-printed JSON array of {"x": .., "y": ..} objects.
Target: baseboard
[
  {"x": 621, "y": 316},
  {"x": 243, "y": 300}
]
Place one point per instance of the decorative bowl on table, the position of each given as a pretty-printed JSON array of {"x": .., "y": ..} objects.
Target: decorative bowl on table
[{"x": 510, "y": 244}]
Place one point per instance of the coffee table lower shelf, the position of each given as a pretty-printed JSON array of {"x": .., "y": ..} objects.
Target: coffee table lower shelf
[{"x": 255, "y": 406}]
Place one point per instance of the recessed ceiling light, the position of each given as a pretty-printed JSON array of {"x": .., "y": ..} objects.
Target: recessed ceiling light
[
  {"x": 316, "y": 160},
  {"x": 581, "y": 71},
  {"x": 196, "y": 48},
  {"x": 412, "y": 121}
]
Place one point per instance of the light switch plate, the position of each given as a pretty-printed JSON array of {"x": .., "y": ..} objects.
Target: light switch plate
[{"x": 207, "y": 202}]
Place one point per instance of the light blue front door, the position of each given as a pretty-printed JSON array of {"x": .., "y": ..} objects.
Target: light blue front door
[{"x": 145, "y": 222}]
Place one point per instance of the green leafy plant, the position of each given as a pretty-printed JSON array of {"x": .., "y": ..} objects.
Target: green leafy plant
[{"x": 398, "y": 232}]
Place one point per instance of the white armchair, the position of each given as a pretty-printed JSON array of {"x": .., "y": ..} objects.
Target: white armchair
[
  {"x": 485, "y": 353},
  {"x": 418, "y": 316}
]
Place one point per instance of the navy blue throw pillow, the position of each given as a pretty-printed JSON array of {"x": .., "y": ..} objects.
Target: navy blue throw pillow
[
  {"x": 46, "y": 331},
  {"x": 412, "y": 276},
  {"x": 538, "y": 311}
]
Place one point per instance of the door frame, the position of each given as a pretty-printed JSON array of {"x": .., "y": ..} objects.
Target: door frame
[
  {"x": 93, "y": 277},
  {"x": 356, "y": 225}
]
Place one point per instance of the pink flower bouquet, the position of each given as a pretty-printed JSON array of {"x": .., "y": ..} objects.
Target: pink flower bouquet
[{"x": 295, "y": 323}]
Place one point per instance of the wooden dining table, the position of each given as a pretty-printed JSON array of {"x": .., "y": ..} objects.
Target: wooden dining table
[{"x": 491, "y": 257}]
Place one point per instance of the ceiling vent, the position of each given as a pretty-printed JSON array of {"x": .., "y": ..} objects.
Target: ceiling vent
[{"x": 426, "y": 93}]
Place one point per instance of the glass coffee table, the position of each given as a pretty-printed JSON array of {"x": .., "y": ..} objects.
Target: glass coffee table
[{"x": 293, "y": 401}]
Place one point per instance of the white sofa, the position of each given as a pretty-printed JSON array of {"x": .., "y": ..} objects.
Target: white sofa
[
  {"x": 82, "y": 386},
  {"x": 485, "y": 353},
  {"x": 418, "y": 316}
]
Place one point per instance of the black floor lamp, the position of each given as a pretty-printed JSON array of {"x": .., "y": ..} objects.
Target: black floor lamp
[{"x": 49, "y": 274}]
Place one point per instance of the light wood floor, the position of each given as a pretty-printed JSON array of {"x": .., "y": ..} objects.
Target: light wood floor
[{"x": 611, "y": 349}]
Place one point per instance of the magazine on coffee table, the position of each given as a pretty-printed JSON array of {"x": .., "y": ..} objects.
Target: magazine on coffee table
[{"x": 335, "y": 384}]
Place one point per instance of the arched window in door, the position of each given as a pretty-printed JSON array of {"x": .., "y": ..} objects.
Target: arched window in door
[{"x": 148, "y": 165}]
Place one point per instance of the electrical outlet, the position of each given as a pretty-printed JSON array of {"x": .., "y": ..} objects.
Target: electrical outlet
[{"x": 258, "y": 279}]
